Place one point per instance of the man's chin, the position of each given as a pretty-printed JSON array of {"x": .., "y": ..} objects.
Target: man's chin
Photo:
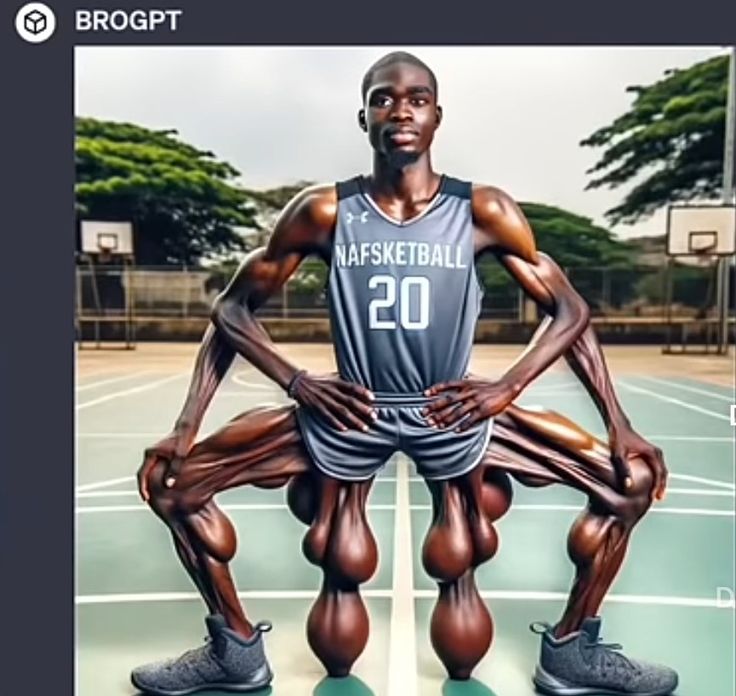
[{"x": 399, "y": 158}]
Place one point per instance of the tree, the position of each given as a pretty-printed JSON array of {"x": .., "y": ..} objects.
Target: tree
[
  {"x": 673, "y": 135},
  {"x": 576, "y": 244},
  {"x": 180, "y": 199}
]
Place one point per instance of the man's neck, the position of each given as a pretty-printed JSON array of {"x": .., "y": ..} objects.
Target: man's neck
[{"x": 410, "y": 183}]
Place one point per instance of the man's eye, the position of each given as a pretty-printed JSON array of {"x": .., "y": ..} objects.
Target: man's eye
[
  {"x": 419, "y": 101},
  {"x": 382, "y": 101}
]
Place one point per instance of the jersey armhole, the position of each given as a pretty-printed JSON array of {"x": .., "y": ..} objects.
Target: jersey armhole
[{"x": 348, "y": 188}]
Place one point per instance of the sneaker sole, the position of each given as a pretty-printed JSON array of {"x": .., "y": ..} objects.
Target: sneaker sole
[
  {"x": 238, "y": 688},
  {"x": 553, "y": 686}
]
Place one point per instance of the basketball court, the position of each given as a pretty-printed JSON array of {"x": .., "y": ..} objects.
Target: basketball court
[{"x": 135, "y": 603}]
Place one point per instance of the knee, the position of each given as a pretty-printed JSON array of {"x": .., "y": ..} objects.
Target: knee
[
  {"x": 640, "y": 494},
  {"x": 301, "y": 497},
  {"x": 496, "y": 494},
  {"x": 341, "y": 542},
  {"x": 449, "y": 550},
  {"x": 352, "y": 552},
  {"x": 162, "y": 500},
  {"x": 167, "y": 502}
]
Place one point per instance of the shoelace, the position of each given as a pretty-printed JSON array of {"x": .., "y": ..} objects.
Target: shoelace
[{"x": 608, "y": 653}]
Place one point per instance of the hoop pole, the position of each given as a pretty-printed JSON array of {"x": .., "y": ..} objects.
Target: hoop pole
[{"x": 728, "y": 198}]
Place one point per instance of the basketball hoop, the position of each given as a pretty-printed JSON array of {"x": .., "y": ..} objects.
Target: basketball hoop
[
  {"x": 702, "y": 231},
  {"x": 701, "y": 236},
  {"x": 108, "y": 244}
]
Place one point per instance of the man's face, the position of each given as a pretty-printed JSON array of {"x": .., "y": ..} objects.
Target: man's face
[{"x": 401, "y": 113}]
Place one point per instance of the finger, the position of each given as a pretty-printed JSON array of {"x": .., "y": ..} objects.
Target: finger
[
  {"x": 623, "y": 471},
  {"x": 357, "y": 390},
  {"x": 455, "y": 413},
  {"x": 338, "y": 414},
  {"x": 444, "y": 386},
  {"x": 344, "y": 415},
  {"x": 660, "y": 474},
  {"x": 172, "y": 472},
  {"x": 365, "y": 412},
  {"x": 474, "y": 417},
  {"x": 449, "y": 401},
  {"x": 327, "y": 414},
  {"x": 143, "y": 474}
]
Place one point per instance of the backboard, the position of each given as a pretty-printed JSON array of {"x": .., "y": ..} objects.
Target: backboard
[
  {"x": 701, "y": 230},
  {"x": 107, "y": 238}
]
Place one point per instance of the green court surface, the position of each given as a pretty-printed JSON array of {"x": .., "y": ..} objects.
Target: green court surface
[{"x": 135, "y": 604}]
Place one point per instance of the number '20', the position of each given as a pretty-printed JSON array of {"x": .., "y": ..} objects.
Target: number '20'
[{"x": 407, "y": 308}]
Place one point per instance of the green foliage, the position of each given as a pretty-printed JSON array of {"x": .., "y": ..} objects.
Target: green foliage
[
  {"x": 673, "y": 135},
  {"x": 180, "y": 199},
  {"x": 572, "y": 241},
  {"x": 276, "y": 199}
]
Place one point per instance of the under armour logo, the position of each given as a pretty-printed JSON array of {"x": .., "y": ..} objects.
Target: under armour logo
[{"x": 363, "y": 217}]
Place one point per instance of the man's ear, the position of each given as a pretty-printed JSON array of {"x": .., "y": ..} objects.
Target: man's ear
[
  {"x": 361, "y": 120},
  {"x": 438, "y": 118}
]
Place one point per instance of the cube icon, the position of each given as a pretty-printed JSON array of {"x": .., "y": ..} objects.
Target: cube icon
[{"x": 35, "y": 22}]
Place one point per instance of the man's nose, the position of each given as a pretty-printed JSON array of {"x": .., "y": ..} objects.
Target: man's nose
[{"x": 401, "y": 110}]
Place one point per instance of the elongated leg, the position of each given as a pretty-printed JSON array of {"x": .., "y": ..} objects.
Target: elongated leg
[{"x": 340, "y": 542}]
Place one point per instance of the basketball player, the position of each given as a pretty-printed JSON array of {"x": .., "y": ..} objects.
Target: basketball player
[{"x": 401, "y": 245}]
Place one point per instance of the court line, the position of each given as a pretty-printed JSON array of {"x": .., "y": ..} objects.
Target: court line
[
  {"x": 540, "y": 507},
  {"x": 124, "y": 598},
  {"x": 103, "y": 484},
  {"x": 513, "y": 595},
  {"x": 133, "y": 390},
  {"x": 676, "y": 438},
  {"x": 232, "y": 507},
  {"x": 730, "y": 493},
  {"x": 650, "y": 600},
  {"x": 687, "y": 387},
  {"x": 669, "y": 399},
  {"x": 683, "y": 491},
  {"x": 238, "y": 379},
  {"x": 700, "y": 491},
  {"x": 141, "y": 507},
  {"x": 119, "y": 435},
  {"x": 701, "y": 479},
  {"x": 112, "y": 380},
  {"x": 402, "y": 639},
  {"x": 81, "y": 490},
  {"x": 691, "y": 438}
]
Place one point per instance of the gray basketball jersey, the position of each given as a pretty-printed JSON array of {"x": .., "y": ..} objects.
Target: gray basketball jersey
[{"x": 404, "y": 296}]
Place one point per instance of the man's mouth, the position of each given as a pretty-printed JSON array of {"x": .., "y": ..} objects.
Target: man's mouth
[{"x": 402, "y": 136}]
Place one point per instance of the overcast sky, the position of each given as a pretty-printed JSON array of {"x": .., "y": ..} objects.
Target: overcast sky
[{"x": 514, "y": 117}]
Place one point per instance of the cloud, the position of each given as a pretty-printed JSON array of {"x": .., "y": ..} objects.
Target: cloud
[{"x": 513, "y": 115}]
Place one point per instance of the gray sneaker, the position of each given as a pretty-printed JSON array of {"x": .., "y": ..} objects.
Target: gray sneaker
[
  {"x": 226, "y": 661},
  {"x": 580, "y": 664}
]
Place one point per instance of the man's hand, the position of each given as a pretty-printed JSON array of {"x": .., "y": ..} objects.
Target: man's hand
[
  {"x": 172, "y": 449},
  {"x": 474, "y": 399},
  {"x": 625, "y": 444},
  {"x": 344, "y": 405}
]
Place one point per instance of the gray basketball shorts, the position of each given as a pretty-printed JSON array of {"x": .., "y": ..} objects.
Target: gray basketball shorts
[{"x": 352, "y": 455}]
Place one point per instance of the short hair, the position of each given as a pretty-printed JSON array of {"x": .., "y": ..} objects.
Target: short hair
[{"x": 392, "y": 59}]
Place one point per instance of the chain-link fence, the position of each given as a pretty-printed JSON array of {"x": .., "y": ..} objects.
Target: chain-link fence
[{"x": 175, "y": 292}]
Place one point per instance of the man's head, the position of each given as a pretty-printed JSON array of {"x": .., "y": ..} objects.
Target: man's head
[{"x": 400, "y": 111}]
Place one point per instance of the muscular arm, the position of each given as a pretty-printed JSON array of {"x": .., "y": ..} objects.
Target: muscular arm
[
  {"x": 502, "y": 229},
  {"x": 586, "y": 360},
  {"x": 565, "y": 331},
  {"x": 303, "y": 228}
]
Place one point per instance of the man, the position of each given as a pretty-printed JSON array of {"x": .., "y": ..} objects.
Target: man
[{"x": 404, "y": 299}]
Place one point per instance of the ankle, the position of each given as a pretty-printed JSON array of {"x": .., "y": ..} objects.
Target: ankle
[{"x": 243, "y": 628}]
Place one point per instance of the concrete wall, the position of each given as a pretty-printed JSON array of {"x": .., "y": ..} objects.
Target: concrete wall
[{"x": 635, "y": 331}]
